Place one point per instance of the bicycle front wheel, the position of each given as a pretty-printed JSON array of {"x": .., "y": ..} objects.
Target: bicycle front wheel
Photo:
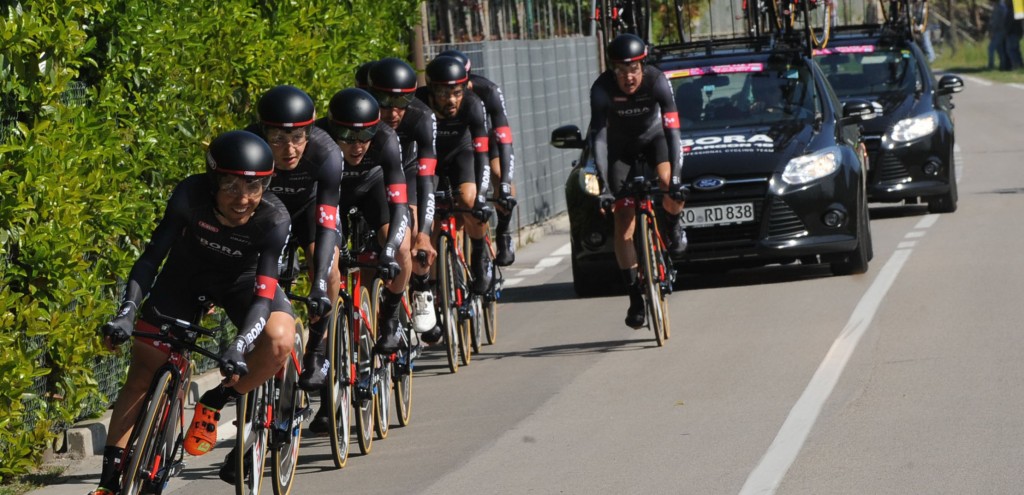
[
  {"x": 144, "y": 446},
  {"x": 652, "y": 282},
  {"x": 252, "y": 440},
  {"x": 382, "y": 373},
  {"x": 447, "y": 300},
  {"x": 339, "y": 400},
  {"x": 364, "y": 400},
  {"x": 288, "y": 422},
  {"x": 401, "y": 369}
]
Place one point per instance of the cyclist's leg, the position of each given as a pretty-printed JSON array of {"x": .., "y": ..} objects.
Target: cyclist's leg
[
  {"x": 464, "y": 177},
  {"x": 314, "y": 360},
  {"x": 506, "y": 246},
  {"x": 625, "y": 224},
  {"x": 658, "y": 151}
]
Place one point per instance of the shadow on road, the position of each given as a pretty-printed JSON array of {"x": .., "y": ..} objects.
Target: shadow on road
[
  {"x": 558, "y": 291},
  {"x": 898, "y": 211}
]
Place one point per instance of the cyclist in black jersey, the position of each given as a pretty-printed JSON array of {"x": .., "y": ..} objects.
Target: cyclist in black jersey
[
  {"x": 219, "y": 242},
  {"x": 393, "y": 84},
  {"x": 633, "y": 113},
  {"x": 363, "y": 74},
  {"x": 500, "y": 153},
  {"x": 307, "y": 175},
  {"x": 462, "y": 144},
  {"x": 375, "y": 182}
]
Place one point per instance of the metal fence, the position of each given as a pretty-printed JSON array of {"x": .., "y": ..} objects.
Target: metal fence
[{"x": 546, "y": 84}]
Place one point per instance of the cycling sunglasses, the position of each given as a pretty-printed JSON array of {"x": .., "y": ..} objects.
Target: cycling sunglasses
[
  {"x": 239, "y": 186},
  {"x": 394, "y": 100},
  {"x": 350, "y": 135}
]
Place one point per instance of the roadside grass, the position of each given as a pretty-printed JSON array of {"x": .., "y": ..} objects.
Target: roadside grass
[
  {"x": 972, "y": 59},
  {"x": 45, "y": 475}
]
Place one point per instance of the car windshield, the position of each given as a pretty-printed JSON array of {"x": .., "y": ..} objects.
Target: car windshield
[
  {"x": 738, "y": 95},
  {"x": 869, "y": 70}
]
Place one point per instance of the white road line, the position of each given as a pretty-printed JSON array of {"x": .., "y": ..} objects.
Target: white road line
[
  {"x": 927, "y": 221},
  {"x": 906, "y": 245},
  {"x": 510, "y": 282},
  {"x": 565, "y": 250},
  {"x": 767, "y": 476},
  {"x": 1016, "y": 85},
  {"x": 914, "y": 234},
  {"x": 975, "y": 80}
]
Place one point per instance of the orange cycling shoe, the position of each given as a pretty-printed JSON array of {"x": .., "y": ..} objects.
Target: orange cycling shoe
[
  {"x": 101, "y": 491},
  {"x": 202, "y": 433}
]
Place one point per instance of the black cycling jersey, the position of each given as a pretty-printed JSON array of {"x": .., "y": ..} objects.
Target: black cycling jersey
[
  {"x": 634, "y": 121},
  {"x": 501, "y": 139},
  {"x": 310, "y": 193},
  {"x": 465, "y": 133},
  {"x": 382, "y": 163},
  {"x": 416, "y": 134},
  {"x": 213, "y": 259}
]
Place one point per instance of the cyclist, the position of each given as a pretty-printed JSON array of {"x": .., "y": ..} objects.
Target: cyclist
[
  {"x": 307, "y": 174},
  {"x": 500, "y": 153},
  {"x": 363, "y": 74},
  {"x": 393, "y": 84},
  {"x": 221, "y": 236},
  {"x": 375, "y": 182},
  {"x": 462, "y": 144},
  {"x": 632, "y": 113}
]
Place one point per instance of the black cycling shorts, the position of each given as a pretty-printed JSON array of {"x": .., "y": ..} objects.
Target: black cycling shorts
[
  {"x": 458, "y": 166},
  {"x": 623, "y": 164}
]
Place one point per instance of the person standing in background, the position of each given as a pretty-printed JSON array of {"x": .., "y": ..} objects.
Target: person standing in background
[
  {"x": 997, "y": 36},
  {"x": 1014, "y": 31}
]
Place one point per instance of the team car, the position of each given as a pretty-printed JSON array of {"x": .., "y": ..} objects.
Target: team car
[
  {"x": 910, "y": 144},
  {"x": 773, "y": 161}
]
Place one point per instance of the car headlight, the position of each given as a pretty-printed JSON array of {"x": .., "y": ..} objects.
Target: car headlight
[
  {"x": 914, "y": 128},
  {"x": 804, "y": 169}
]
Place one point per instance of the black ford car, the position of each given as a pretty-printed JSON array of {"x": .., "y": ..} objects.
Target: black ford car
[
  {"x": 910, "y": 143},
  {"x": 773, "y": 160}
]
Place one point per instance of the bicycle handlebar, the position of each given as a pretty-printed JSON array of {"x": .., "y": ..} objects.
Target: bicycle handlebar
[{"x": 188, "y": 342}]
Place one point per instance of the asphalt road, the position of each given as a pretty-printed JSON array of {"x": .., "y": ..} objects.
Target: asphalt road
[{"x": 784, "y": 379}]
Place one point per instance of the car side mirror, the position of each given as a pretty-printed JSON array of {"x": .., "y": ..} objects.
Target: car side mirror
[
  {"x": 855, "y": 111},
  {"x": 950, "y": 84},
  {"x": 567, "y": 137}
]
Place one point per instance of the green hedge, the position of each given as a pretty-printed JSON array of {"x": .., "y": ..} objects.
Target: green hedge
[{"x": 83, "y": 180}]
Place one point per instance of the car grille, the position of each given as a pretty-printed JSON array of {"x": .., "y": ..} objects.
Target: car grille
[
  {"x": 783, "y": 222},
  {"x": 883, "y": 167}
]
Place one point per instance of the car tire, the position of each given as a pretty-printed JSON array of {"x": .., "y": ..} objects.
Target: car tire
[
  {"x": 856, "y": 262},
  {"x": 590, "y": 282},
  {"x": 945, "y": 203}
]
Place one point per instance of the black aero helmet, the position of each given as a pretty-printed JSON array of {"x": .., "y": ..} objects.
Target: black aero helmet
[
  {"x": 353, "y": 114},
  {"x": 392, "y": 75},
  {"x": 240, "y": 153},
  {"x": 446, "y": 71},
  {"x": 626, "y": 48},
  {"x": 363, "y": 74},
  {"x": 459, "y": 55},
  {"x": 286, "y": 106}
]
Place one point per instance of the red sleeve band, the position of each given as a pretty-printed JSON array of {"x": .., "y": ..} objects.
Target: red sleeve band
[
  {"x": 328, "y": 216},
  {"x": 671, "y": 120},
  {"x": 504, "y": 134},
  {"x": 480, "y": 144},
  {"x": 398, "y": 194},
  {"x": 266, "y": 287},
  {"x": 427, "y": 166}
]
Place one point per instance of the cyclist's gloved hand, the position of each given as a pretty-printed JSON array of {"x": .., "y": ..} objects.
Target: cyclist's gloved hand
[
  {"x": 232, "y": 362},
  {"x": 319, "y": 304},
  {"x": 387, "y": 267},
  {"x": 505, "y": 198},
  {"x": 118, "y": 330},
  {"x": 481, "y": 210},
  {"x": 605, "y": 201},
  {"x": 678, "y": 192}
]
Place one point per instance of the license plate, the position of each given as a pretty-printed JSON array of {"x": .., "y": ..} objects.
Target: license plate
[{"x": 708, "y": 216}]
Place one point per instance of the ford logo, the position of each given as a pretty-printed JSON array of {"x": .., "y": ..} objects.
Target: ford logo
[{"x": 709, "y": 183}]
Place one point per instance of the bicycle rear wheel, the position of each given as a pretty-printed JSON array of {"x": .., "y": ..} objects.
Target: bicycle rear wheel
[
  {"x": 652, "y": 283},
  {"x": 467, "y": 321},
  {"x": 382, "y": 373},
  {"x": 364, "y": 400},
  {"x": 145, "y": 442},
  {"x": 252, "y": 440},
  {"x": 291, "y": 404},
  {"x": 447, "y": 305},
  {"x": 666, "y": 277},
  {"x": 402, "y": 367}
]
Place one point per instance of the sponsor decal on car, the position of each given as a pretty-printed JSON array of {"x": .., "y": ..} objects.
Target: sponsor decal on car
[
  {"x": 845, "y": 49},
  {"x": 708, "y": 145},
  {"x": 716, "y": 69}
]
